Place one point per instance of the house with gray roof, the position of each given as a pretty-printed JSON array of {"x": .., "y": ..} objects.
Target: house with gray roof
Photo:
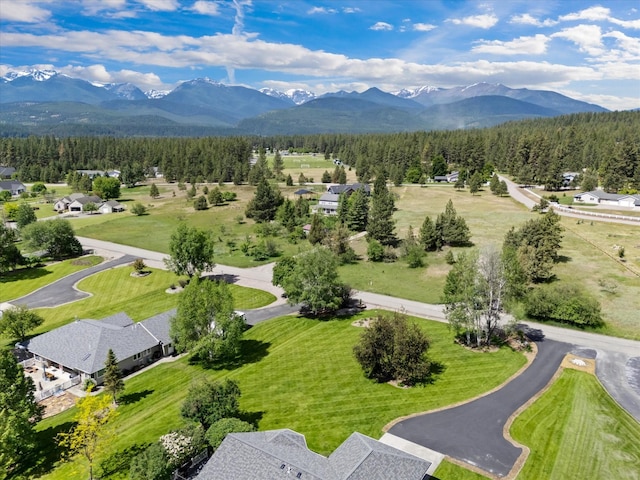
[
  {"x": 79, "y": 203},
  {"x": 13, "y": 186},
  {"x": 81, "y": 347},
  {"x": 328, "y": 204},
  {"x": 278, "y": 454},
  {"x": 601, "y": 197},
  {"x": 348, "y": 189},
  {"x": 6, "y": 172}
]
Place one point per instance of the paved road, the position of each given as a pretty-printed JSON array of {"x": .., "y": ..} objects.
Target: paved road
[
  {"x": 64, "y": 291},
  {"x": 472, "y": 432}
]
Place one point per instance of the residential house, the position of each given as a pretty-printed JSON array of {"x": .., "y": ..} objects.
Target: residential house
[
  {"x": 13, "y": 186},
  {"x": 603, "y": 198},
  {"x": 278, "y": 454},
  {"x": 62, "y": 204},
  {"x": 79, "y": 203},
  {"x": 349, "y": 189},
  {"x": 448, "y": 178},
  {"x": 6, "y": 172},
  {"x": 111, "y": 206},
  {"x": 81, "y": 347},
  {"x": 99, "y": 173},
  {"x": 328, "y": 204}
]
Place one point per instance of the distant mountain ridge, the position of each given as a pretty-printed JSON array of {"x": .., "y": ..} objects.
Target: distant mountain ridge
[{"x": 46, "y": 101}]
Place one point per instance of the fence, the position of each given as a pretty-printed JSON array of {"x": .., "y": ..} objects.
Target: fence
[
  {"x": 596, "y": 214},
  {"x": 41, "y": 395}
]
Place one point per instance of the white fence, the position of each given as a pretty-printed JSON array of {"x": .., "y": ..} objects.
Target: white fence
[
  {"x": 41, "y": 395},
  {"x": 595, "y": 214}
]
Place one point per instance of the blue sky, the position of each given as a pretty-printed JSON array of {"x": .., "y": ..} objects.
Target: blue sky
[{"x": 587, "y": 50}]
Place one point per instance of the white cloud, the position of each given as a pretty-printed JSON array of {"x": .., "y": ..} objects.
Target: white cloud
[
  {"x": 23, "y": 11},
  {"x": 321, "y": 10},
  {"x": 587, "y": 37},
  {"x": 599, "y": 14},
  {"x": 608, "y": 101},
  {"x": 486, "y": 20},
  {"x": 592, "y": 13},
  {"x": 536, "y": 45},
  {"x": 205, "y": 7},
  {"x": 381, "y": 26},
  {"x": 160, "y": 5},
  {"x": 527, "y": 19},
  {"x": 351, "y": 10},
  {"x": 423, "y": 27}
]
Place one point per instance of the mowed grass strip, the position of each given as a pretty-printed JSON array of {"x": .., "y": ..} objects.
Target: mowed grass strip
[
  {"x": 21, "y": 282},
  {"x": 576, "y": 430},
  {"x": 115, "y": 290},
  {"x": 301, "y": 374}
]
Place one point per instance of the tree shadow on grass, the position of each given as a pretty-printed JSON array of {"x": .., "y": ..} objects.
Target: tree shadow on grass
[
  {"x": 134, "y": 397},
  {"x": 45, "y": 454},
  {"x": 563, "y": 259},
  {"x": 31, "y": 273},
  {"x": 119, "y": 462},
  {"x": 435, "y": 370},
  {"x": 251, "y": 351},
  {"x": 251, "y": 417}
]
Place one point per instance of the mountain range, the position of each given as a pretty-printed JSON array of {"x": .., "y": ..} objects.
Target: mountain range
[{"x": 47, "y": 102}]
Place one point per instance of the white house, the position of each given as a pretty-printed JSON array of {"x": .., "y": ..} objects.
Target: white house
[
  {"x": 328, "y": 203},
  {"x": 600, "y": 197},
  {"x": 111, "y": 206}
]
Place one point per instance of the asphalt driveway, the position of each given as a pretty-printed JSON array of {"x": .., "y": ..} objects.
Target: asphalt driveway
[
  {"x": 63, "y": 291},
  {"x": 472, "y": 432}
]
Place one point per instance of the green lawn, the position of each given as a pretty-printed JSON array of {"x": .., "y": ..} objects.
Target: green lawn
[
  {"x": 300, "y": 374},
  {"x": 23, "y": 281},
  {"x": 115, "y": 290},
  {"x": 576, "y": 430}
]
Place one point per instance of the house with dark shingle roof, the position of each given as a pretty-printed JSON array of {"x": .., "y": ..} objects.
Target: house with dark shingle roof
[
  {"x": 13, "y": 186},
  {"x": 349, "y": 189},
  {"x": 278, "y": 454},
  {"x": 81, "y": 347},
  {"x": 6, "y": 172}
]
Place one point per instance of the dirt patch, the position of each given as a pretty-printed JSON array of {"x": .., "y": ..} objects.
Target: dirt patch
[
  {"x": 82, "y": 262},
  {"x": 579, "y": 363},
  {"x": 363, "y": 322},
  {"x": 56, "y": 404},
  {"x": 174, "y": 290}
]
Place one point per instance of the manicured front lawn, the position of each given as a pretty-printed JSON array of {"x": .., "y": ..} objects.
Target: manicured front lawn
[
  {"x": 301, "y": 374},
  {"x": 576, "y": 430},
  {"x": 116, "y": 291},
  {"x": 26, "y": 280}
]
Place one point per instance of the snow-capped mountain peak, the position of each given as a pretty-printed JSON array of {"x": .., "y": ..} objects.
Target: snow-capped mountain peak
[
  {"x": 157, "y": 93},
  {"x": 37, "y": 75},
  {"x": 296, "y": 95},
  {"x": 412, "y": 93}
]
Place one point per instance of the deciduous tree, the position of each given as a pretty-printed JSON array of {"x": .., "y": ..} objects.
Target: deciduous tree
[
  {"x": 18, "y": 321},
  {"x": 92, "y": 430},
  {"x": 24, "y": 215},
  {"x": 106, "y": 187},
  {"x": 10, "y": 255},
  {"x": 208, "y": 401},
  {"x": 191, "y": 251},
  {"x": 391, "y": 348},
  {"x": 315, "y": 283},
  {"x": 138, "y": 209},
  {"x": 56, "y": 237},
  {"x": 206, "y": 323},
  {"x": 219, "y": 430}
]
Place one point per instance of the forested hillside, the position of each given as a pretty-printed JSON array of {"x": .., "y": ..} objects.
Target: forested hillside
[{"x": 534, "y": 151}]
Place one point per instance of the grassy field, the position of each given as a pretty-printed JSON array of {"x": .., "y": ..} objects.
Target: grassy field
[
  {"x": 300, "y": 374},
  {"x": 588, "y": 252},
  {"x": 20, "y": 282},
  {"x": 576, "y": 430}
]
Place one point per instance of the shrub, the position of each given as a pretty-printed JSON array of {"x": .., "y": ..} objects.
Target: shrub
[
  {"x": 138, "y": 265},
  {"x": 375, "y": 251},
  {"x": 88, "y": 385},
  {"x": 565, "y": 304},
  {"x": 216, "y": 433},
  {"x": 414, "y": 256},
  {"x": 449, "y": 258},
  {"x": 138, "y": 209},
  {"x": 200, "y": 203}
]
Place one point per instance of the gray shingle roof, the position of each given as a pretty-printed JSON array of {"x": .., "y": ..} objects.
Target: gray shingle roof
[
  {"x": 329, "y": 197},
  {"x": 83, "y": 345},
  {"x": 159, "y": 326},
  {"x": 281, "y": 454}
]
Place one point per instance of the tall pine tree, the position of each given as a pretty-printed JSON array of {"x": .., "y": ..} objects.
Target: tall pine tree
[
  {"x": 380, "y": 225},
  {"x": 113, "y": 383}
]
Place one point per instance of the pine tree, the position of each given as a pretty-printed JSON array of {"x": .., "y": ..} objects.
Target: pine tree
[
  {"x": 153, "y": 191},
  {"x": 428, "y": 236},
  {"x": 494, "y": 184},
  {"x": 278, "y": 165},
  {"x": 380, "y": 225},
  {"x": 113, "y": 383},
  {"x": 262, "y": 208},
  {"x": 358, "y": 211},
  {"x": 316, "y": 233}
]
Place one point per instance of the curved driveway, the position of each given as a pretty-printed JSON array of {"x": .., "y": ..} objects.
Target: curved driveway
[
  {"x": 473, "y": 432},
  {"x": 63, "y": 290}
]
